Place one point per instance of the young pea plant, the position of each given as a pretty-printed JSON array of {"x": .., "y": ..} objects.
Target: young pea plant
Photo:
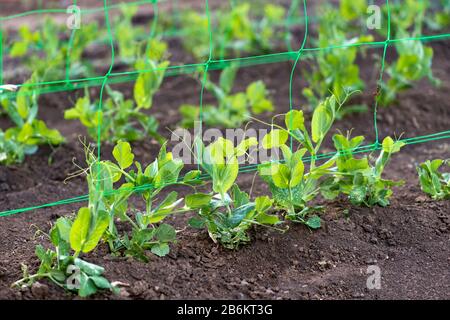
[
  {"x": 335, "y": 70},
  {"x": 357, "y": 177},
  {"x": 148, "y": 233},
  {"x": 433, "y": 181},
  {"x": 414, "y": 60},
  {"x": 227, "y": 212},
  {"x": 441, "y": 18},
  {"x": 152, "y": 64},
  {"x": 293, "y": 185},
  {"x": 405, "y": 15},
  {"x": 46, "y": 54},
  {"x": 127, "y": 33},
  {"x": 413, "y": 64},
  {"x": 132, "y": 46},
  {"x": 232, "y": 110},
  {"x": 67, "y": 269},
  {"x": 120, "y": 118},
  {"x": 28, "y": 132},
  {"x": 236, "y": 31}
]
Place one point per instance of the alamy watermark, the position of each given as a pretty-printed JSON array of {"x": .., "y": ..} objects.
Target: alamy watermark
[
  {"x": 374, "y": 19},
  {"x": 374, "y": 277},
  {"x": 73, "y": 279},
  {"x": 73, "y": 22}
]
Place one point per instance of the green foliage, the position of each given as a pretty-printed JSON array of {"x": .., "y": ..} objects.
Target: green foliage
[
  {"x": 112, "y": 184},
  {"x": 126, "y": 34},
  {"x": 28, "y": 132},
  {"x": 353, "y": 9},
  {"x": 132, "y": 40},
  {"x": 233, "y": 109},
  {"x": 65, "y": 269},
  {"x": 335, "y": 70},
  {"x": 122, "y": 118},
  {"x": 227, "y": 212},
  {"x": 357, "y": 177},
  {"x": 441, "y": 18},
  {"x": 118, "y": 118},
  {"x": 405, "y": 15},
  {"x": 234, "y": 31},
  {"x": 432, "y": 181},
  {"x": 46, "y": 54},
  {"x": 413, "y": 64},
  {"x": 148, "y": 81},
  {"x": 414, "y": 58},
  {"x": 293, "y": 185}
]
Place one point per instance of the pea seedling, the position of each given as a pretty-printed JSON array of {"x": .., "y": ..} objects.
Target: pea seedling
[
  {"x": 292, "y": 187},
  {"x": 227, "y": 212},
  {"x": 358, "y": 178},
  {"x": 236, "y": 31},
  {"x": 28, "y": 132},
  {"x": 232, "y": 109},
  {"x": 432, "y": 181}
]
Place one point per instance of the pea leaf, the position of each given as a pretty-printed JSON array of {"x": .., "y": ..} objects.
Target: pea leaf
[
  {"x": 123, "y": 155},
  {"x": 321, "y": 123},
  {"x": 314, "y": 222},
  {"x": 165, "y": 233},
  {"x": 101, "y": 223},
  {"x": 294, "y": 120},
  {"x": 274, "y": 139},
  {"x": 160, "y": 249},
  {"x": 198, "y": 200},
  {"x": 80, "y": 229}
]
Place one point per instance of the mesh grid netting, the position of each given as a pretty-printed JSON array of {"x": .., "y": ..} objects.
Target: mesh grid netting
[{"x": 110, "y": 77}]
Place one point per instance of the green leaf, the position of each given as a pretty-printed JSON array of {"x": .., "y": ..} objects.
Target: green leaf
[
  {"x": 198, "y": 200},
  {"x": 123, "y": 155},
  {"x": 101, "y": 223},
  {"x": 64, "y": 226},
  {"x": 160, "y": 249},
  {"x": 267, "y": 219},
  {"x": 275, "y": 139},
  {"x": 23, "y": 102},
  {"x": 89, "y": 268},
  {"x": 314, "y": 222},
  {"x": 101, "y": 282},
  {"x": 294, "y": 120},
  {"x": 87, "y": 286},
  {"x": 165, "y": 233},
  {"x": 297, "y": 174},
  {"x": 240, "y": 213},
  {"x": 280, "y": 175},
  {"x": 242, "y": 148},
  {"x": 239, "y": 197},
  {"x": 196, "y": 223},
  {"x": 321, "y": 123},
  {"x": 80, "y": 229},
  {"x": 263, "y": 203},
  {"x": 227, "y": 78},
  {"x": 389, "y": 146},
  {"x": 226, "y": 176},
  {"x": 192, "y": 177}
]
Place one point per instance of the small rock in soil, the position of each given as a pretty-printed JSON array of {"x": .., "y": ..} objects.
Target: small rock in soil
[
  {"x": 124, "y": 293},
  {"x": 139, "y": 288},
  {"x": 39, "y": 290},
  {"x": 368, "y": 228},
  {"x": 244, "y": 283}
]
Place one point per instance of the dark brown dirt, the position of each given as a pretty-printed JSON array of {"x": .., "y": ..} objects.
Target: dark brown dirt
[{"x": 408, "y": 240}]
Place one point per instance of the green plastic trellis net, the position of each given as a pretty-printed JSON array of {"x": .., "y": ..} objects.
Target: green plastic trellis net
[{"x": 297, "y": 15}]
